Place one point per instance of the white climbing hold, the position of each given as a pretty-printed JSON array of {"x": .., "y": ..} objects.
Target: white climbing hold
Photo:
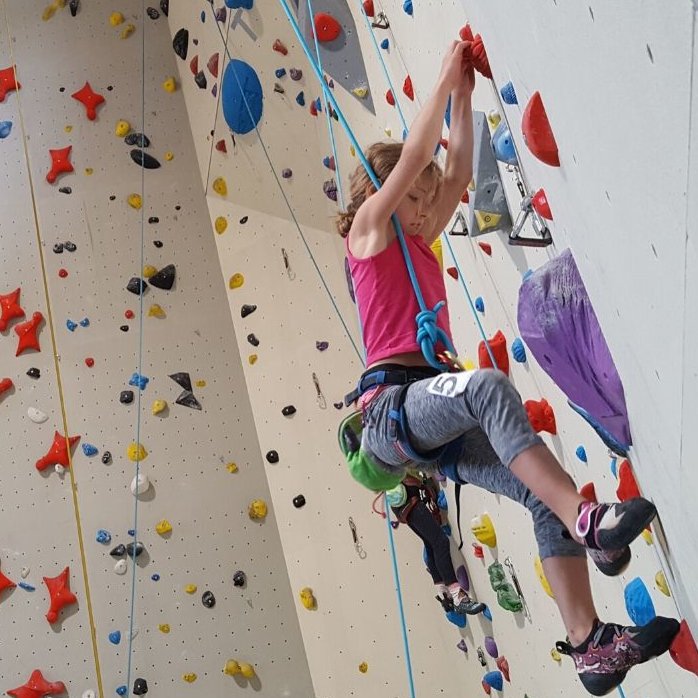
[
  {"x": 36, "y": 415},
  {"x": 60, "y": 469},
  {"x": 140, "y": 484},
  {"x": 120, "y": 567},
  {"x": 24, "y": 573},
  {"x": 89, "y": 693}
]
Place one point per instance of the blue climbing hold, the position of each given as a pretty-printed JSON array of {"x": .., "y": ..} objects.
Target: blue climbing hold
[
  {"x": 131, "y": 532},
  {"x": 155, "y": 577},
  {"x": 122, "y": 690},
  {"x": 115, "y": 637},
  {"x": 239, "y": 4},
  {"x": 441, "y": 501},
  {"x": 508, "y": 94},
  {"x": 638, "y": 602},
  {"x": 139, "y": 381},
  {"x": 479, "y": 305},
  {"x": 611, "y": 441},
  {"x": 518, "y": 350},
  {"x": 385, "y": 44},
  {"x": 447, "y": 115},
  {"x": 5, "y": 128},
  {"x": 103, "y": 536},
  {"x": 242, "y": 96},
  {"x": 300, "y": 99},
  {"x": 528, "y": 273},
  {"x": 487, "y": 613},
  {"x": 614, "y": 467},
  {"x": 581, "y": 453},
  {"x": 457, "y": 619},
  {"x": 407, "y": 7},
  {"x": 280, "y": 72},
  {"x": 85, "y": 322},
  {"x": 318, "y": 104},
  {"x": 89, "y": 449},
  {"x": 503, "y": 144},
  {"x": 203, "y": 16},
  {"x": 26, "y": 587},
  {"x": 494, "y": 679},
  {"x": 71, "y": 325}
]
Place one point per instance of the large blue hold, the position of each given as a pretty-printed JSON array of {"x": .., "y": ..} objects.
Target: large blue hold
[
  {"x": 638, "y": 602},
  {"x": 494, "y": 679},
  {"x": 239, "y": 4},
  {"x": 242, "y": 97}
]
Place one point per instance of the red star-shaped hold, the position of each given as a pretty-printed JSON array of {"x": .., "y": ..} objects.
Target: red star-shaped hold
[
  {"x": 9, "y": 308},
  {"x": 28, "y": 333},
  {"x": 59, "y": 453},
  {"x": 59, "y": 589},
  {"x": 8, "y": 82},
  {"x": 6, "y": 583},
  {"x": 60, "y": 162},
  {"x": 38, "y": 687},
  {"x": 90, "y": 99}
]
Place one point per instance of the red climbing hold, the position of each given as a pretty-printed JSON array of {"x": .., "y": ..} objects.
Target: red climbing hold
[
  {"x": 503, "y": 666},
  {"x": 212, "y": 64},
  {"x": 588, "y": 491},
  {"x": 479, "y": 57},
  {"x": 6, "y": 583},
  {"x": 498, "y": 345},
  {"x": 60, "y": 160},
  {"x": 390, "y": 98},
  {"x": 683, "y": 649},
  {"x": 466, "y": 33},
  {"x": 444, "y": 144},
  {"x": 61, "y": 596},
  {"x": 486, "y": 248},
  {"x": 452, "y": 271},
  {"x": 327, "y": 28},
  {"x": 62, "y": 273},
  {"x": 537, "y": 133},
  {"x": 9, "y": 308},
  {"x": 408, "y": 89},
  {"x": 90, "y": 99},
  {"x": 369, "y": 9},
  {"x": 478, "y": 551},
  {"x": 313, "y": 108},
  {"x": 627, "y": 485},
  {"x": 59, "y": 453},
  {"x": 5, "y": 385},
  {"x": 38, "y": 687},
  {"x": 194, "y": 65},
  {"x": 221, "y": 147},
  {"x": 465, "y": 198},
  {"x": 541, "y": 416},
  {"x": 89, "y": 362},
  {"x": 28, "y": 333},
  {"x": 539, "y": 201},
  {"x": 279, "y": 47},
  {"x": 8, "y": 82}
]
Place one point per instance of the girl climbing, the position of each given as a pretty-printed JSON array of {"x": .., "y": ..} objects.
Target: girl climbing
[
  {"x": 414, "y": 502},
  {"x": 471, "y": 424}
]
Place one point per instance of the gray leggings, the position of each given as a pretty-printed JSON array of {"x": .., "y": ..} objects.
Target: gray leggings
[{"x": 488, "y": 413}]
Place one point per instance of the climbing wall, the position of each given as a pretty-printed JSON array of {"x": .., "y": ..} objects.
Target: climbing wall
[{"x": 175, "y": 618}]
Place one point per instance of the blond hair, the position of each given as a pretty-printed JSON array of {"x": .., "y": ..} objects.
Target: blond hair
[{"x": 382, "y": 157}]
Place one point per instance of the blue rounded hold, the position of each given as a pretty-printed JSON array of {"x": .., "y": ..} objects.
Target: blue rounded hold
[
  {"x": 131, "y": 532},
  {"x": 318, "y": 104},
  {"x": 508, "y": 94},
  {"x": 242, "y": 96},
  {"x": 203, "y": 16},
  {"x": 503, "y": 144},
  {"x": 239, "y": 4},
  {"x": 479, "y": 305},
  {"x": 300, "y": 99},
  {"x": 518, "y": 350},
  {"x": 89, "y": 450},
  {"x": 494, "y": 679},
  {"x": 155, "y": 577},
  {"x": 457, "y": 619},
  {"x": 487, "y": 613},
  {"x": 581, "y": 453},
  {"x": 385, "y": 44},
  {"x": 614, "y": 467},
  {"x": 6, "y": 127},
  {"x": 638, "y": 602},
  {"x": 85, "y": 322},
  {"x": 527, "y": 274},
  {"x": 71, "y": 325},
  {"x": 280, "y": 72},
  {"x": 407, "y": 7},
  {"x": 122, "y": 690},
  {"x": 103, "y": 536},
  {"x": 115, "y": 637},
  {"x": 139, "y": 381}
]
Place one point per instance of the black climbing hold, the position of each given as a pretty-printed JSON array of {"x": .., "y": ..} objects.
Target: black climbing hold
[
  {"x": 321, "y": 346},
  {"x": 74, "y": 5},
  {"x": 106, "y": 457},
  {"x": 200, "y": 80},
  {"x": 58, "y": 248},
  {"x": 118, "y": 551},
  {"x": 178, "y": 207},
  {"x": 65, "y": 190},
  {"x": 165, "y": 7},
  {"x": 136, "y": 285},
  {"x": 180, "y": 43},
  {"x": 208, "y": 599},
  {"x": 124, "y": 328},
  {"x": 140, "y": 687},
  {"x": 112, "y": 198},
  {"x": 34, "y": 373},
  {"x": 288, "y": 410},
  {"x": 253, "y": 340},
  {"x": 299, "y": 501},
  {"x": 247, "y": 310},
  {"x": 144, "y": 160},
  {"x": 126, "y": 397},
  {"x": 272, "y": 457},
  {"x": 183, "y": 380},
  {"x": 244, "y": 220},
  {"x": 153, "y": 13},
  {"x": 70, "y": 246},
  {"x": 239, "y": 578},
  {"x": 165, "y": 278},
  {"x": 279, "y": 89},
  {"x": 296, "y": 73},
  {"x": 134, "y": 549},
  {"x": 186, "y": 399},
  {"x": 139, "y": 139},
  {"x": 153, "y": 219},
  {"x": 338, "y": 405},
  {"x": 157, "y": 243}
]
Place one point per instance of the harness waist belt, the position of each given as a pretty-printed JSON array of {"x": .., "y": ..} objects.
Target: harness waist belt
[{"x": 389, "y": 374}]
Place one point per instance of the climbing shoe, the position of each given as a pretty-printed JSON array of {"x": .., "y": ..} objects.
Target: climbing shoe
[
  {"x": 464, "y": 605},
  {"x": 613, "y": 526},
  {"x": 611, "y": 650},
  {"x": 610, "y": 562}
]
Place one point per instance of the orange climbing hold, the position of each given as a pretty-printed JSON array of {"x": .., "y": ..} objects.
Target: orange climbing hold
[
  {"x": 683, "y": 649},
  {"x": 479, "y": 57},
  {"x": 369, "y": 9},
  {"x": 539, "y": 201},
  {"x": 466, "y": 33},
  {"x": 327, "y": 28},
  {"x": 408, "y": 89},
  {"x": 279, "y": 47},
  {"x": 627, "y": 485},
  {"x": 541, "y": 416},
  {"x": 486, "y": 248},
  {"x": 498, "y": 345},
  {"x": 537, "y": 133},
  {"x": 390, "y": 98},
  {"x": 588, "y": 491}
]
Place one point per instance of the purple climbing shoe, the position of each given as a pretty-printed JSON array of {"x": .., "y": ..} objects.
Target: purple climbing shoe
[{"x": 613, "y": 526}]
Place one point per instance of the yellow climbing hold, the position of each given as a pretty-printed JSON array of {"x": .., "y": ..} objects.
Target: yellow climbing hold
[
  {"x": 169, "y": 156},
  {"x": 538, "y": 566},
  {"x": 493, "y": 118},
  {"x": 236, "y": 280},
  {"x": 438, "y": 252},
  {"x": 164, "y": 628},
  {"x": 127, "y": 31},
  {"x": 200, "y": 383},
  {"x": 68, "y": 128},
  {"x": 116, "y": 18},
  {"x": 468, "y": 364},
  {"x": 189, "y": 678},
  {"x": 231, "y": 668},
  {"x": 555, "y": 655},
  {"x": 487, "y": 219},
  {"x": 122, "y": 128},
  {"x": 252, "y": 359},
  {"x": 232, "y": 467},
  {"x": 388, "y": 132},
  {"x": 89, "y": 171},
  {"x": 247, "y": 670},
  {"x": 135, "y": 201},
  {"x": 483, "y": 529},
  {"x": 660, "y": 581},
  {"x": 190, "y": 588},
  {"x": 156, "y": 311},
  {"x": 471, "y": 185},
  {"x": 163, "y": 527},
  {"x": 360, "y": 91},
  {"x": 149, "y": 270},
  {"x": 352, "y": 150},
  {"x": 257, "y": 509},
  {"x": 221, "y": 224},
  {"x": 363, "y": 667},
  {"x": 220, "y": 186},
  {"x": 49, "y": 11},
  {"x": 159, "y": 406},
  {"x": 170, "y": 85},
  {"x": 136, "y": 452},
  {"x": 307, "y": 598},
  {"x": 647, "y": 537}
]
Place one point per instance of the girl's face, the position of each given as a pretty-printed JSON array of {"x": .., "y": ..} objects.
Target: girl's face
[{"x": 415, "y": 207}]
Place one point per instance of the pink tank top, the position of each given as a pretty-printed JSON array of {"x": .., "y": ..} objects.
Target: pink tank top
[{"x": 386, "y": 301}]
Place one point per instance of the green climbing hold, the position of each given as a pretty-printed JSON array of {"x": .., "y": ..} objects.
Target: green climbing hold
[{"x": 507, "y": 597}]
